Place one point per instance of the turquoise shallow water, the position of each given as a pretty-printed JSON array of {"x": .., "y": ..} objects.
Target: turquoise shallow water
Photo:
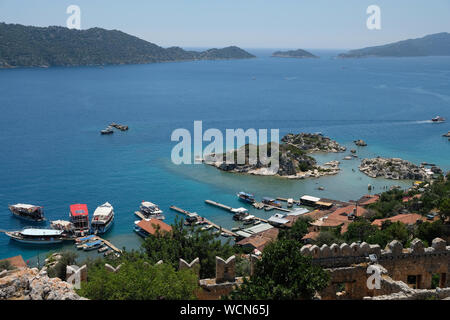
[{"x": 53, "y": 155}]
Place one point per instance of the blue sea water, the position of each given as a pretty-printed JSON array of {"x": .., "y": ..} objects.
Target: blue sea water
[{"x": 53, "y": 155}]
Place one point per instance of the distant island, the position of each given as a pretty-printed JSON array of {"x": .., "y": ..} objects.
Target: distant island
[
  {"x": 28, "y": 46},
  {"x": 432, "y": 45},
  {"x": 299, "y": 53}
]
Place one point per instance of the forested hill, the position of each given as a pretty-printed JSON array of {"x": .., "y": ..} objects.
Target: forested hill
[
  {"x": 27, "y": 46},
  {"x": 437, "y": 44}
]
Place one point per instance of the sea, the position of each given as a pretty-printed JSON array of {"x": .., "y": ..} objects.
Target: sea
[{"x": 52, "y": 153}]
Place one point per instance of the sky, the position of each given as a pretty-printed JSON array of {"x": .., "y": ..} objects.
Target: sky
[{"x": 307, "y": 24}]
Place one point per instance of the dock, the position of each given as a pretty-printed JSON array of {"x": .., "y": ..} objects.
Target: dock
[
  {"x": 228, "y": 208},
  {"x": 105, "y": 242},
  {"x": 220, "y": 205},
  {"x": 185, "y": 212}
]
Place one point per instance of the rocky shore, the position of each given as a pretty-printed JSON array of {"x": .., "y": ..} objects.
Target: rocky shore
[
  {"x": 395, "y": 168},
  {"x": 32, "y": 284},
  {"x": 294, "y": 159}
]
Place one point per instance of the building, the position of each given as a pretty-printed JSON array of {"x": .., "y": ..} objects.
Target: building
[
  {"x": 309, "y": 201},
  {"x": 408, "y": 219},
  {"x": 259, "y": 240},
  {"x": 148, "y": 227}
]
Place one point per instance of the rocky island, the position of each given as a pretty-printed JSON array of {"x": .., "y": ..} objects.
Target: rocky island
[
  {"x": 299, "y": 53},
  {"x": 27, "y": 46},
  {"x": 294, "y": 159},
  {"x": 395, "y": 168}
]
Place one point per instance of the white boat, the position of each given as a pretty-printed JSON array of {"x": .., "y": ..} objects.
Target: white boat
[
  {"x": 27, "y": 212},
  {"x": 151, "y": 210},
  {"x": 438, "y": 119},
  {"x": 37, "y": 236},
  {"x": 92, "y": 245},
  {"x": 102, "y": 219}
]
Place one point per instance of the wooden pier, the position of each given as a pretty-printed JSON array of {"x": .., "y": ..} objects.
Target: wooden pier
[{"x": 185, "y": 212}]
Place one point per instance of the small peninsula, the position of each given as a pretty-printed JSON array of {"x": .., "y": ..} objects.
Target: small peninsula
[
  {"x": 299, "y": 53},
  {"x": 431, "y": 45},
  {"x": 294, "y": 159},
  {"x": 27, "y": 46}
]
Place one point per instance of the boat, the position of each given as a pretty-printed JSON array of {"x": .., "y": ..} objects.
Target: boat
[
  {"x": 27, "y": 212},
  {"x": 84, "y": 239},
  {"x": 66, "y": 226},
  {"x": 37, "y": 236},
  {"x": 239, "y": 213},
  {"x": 246, "y": 197},
  {"x": 290, "y": 203},
  {"x": 271, "y": 202},
  {"x": 256, "y": 222},
  {"x": 446, "y": 134},
  {"x": 92, "y": 245},
  {"x": 438, "y": 119},
  {"x": 108, "y": 130},
  {"x": 79, "y": 216},
  {"x": 102, "y": 219},
  {"x": 224, "y": 234},
  {"x": 151, "y": 210},
  {"x": 103, "y": 249},
  {"x": 207, "y": 227}
]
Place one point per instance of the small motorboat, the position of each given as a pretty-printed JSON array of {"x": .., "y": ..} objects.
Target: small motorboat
[
  {"x": 271, "y": 202},
  {"x": 108, "y": 130},
  {"x": 103, "y": 249},
  {"x": 438, "y": 119},
  {"x": 92, "y": 245}
]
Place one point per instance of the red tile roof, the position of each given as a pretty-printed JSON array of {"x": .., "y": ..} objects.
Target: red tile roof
[
  {"x": 408, "y": 218},
  {"x": 152, "y": 224},
  {"x": 16, "y": 261},
  {"x": 261, "y": 239},
  {"x": 311, "y": 235},
  {"x": 368, "y": 199},
  {"x": 416, "y": 196}
]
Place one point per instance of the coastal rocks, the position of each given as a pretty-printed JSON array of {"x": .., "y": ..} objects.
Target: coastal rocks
[
  {"x": 32, "y": 284},
  {"x": 393, "y": 168},
  {"x": 360, "y": 143},
  {"x": 313, "y": 142}
]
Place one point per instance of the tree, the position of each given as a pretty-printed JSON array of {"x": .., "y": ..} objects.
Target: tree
[
  {"x": 444, "y": 209},
  {"x": 137, "y": 280},
  {"x": 187, "y": 243},
  {"x": 297, "y": 231},
  {"x": 359, "y": 231},
  {"x": 427, "y": 231},
  {"x": 282, "y": 273}
]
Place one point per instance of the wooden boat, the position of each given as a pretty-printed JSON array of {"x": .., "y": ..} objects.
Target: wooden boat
[
  {"x": 28, "y": 212},
  {"x": 271, "y": 202},
  {"x": 103, "y": 249},
  {"x": 79, "y": 216},
  {"x": 246, "y": 197},
  {"x": 150, "y": 210},
  {"x": 37, "y": 236},
  {"x": 102, "y": 219}
]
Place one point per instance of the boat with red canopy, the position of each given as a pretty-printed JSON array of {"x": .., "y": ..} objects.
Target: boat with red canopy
[{"x": 79, "y": 216}]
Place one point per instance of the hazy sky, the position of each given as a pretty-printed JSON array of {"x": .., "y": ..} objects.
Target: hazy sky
[{"x": 338, "y": 24}]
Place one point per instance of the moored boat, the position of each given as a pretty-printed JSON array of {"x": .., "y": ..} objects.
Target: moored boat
[
  {"x": 102, "y": 219},
  {"x": 150, "y": 210},
  {"x": 271, "y": 202},
  {"x": 79, "y": 216},
  {"x": 246, "y": 197},
  {"x": 27, "y": 212},
  {"x": 92, "y": 245},
  {"x": 37, "y": 236}
]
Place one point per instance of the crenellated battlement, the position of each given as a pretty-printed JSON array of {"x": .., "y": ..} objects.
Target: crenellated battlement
[{"x": 344, "y": 254}]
